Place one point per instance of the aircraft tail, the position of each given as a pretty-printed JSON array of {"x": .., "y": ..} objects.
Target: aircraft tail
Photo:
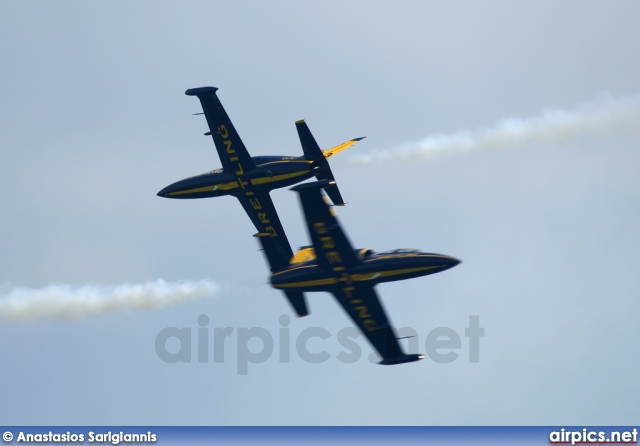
[
  {"x": 312, "y": 152},
  {"x": 278, "y": 258}
]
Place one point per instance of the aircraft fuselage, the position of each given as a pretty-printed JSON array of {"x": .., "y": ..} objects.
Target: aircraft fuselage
[
  {"x": 374, "y": 269},
  {"x": 271, "y": 172}
]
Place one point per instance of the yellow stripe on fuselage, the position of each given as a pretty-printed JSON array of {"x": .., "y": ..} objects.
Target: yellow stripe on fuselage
[
  {"x": 284, "y": 176},
  {"x": 389, "y": 273},
  {"x": 309, "y": 283},
  {"x": 226, "y": 186},
  {"x": 300, "y": 161},
  {"x": 354, "y": 277},
  {"x": 234, "y": 184}
]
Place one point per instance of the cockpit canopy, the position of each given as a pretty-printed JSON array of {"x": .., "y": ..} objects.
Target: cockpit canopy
[
  {"x": 364, "y": 253},
  {"x": 399, "y": 251},
  {"x": 307, "y": 254}
]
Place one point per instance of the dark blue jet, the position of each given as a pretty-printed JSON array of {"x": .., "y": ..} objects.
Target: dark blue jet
[
  {"x": 250, "y": 179},
  {"x": 333, "y": 265}
]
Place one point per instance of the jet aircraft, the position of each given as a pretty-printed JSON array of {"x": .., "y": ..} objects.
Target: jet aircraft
[
  {"x": 333, "y": 265},
  {"x": 250, "y": 179}
]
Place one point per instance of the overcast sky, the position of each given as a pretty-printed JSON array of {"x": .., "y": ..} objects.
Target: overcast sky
[{"x": 95, "y": 122}]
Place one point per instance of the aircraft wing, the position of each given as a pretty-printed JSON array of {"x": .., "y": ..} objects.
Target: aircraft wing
[
  {"x": 330, "y": 243},
  {"x": 262, "y": 213},
  {"x": 233, "y": 154},
  {"x": 362, "y": 304},
  {"x": 340, "y": 147}
]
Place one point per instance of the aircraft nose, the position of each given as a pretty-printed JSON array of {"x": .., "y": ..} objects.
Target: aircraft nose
[
  {"x": 450, "y": 262},
  {"x": 164, "y": 192}
]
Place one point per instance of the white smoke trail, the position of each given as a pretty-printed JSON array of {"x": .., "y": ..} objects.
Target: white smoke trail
[
  {"x": 550, "y": 127},
  {"x": 74, "y": 303}
]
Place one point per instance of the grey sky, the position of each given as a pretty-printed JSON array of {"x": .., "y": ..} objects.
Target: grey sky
[{"x": 95, "y": 122}]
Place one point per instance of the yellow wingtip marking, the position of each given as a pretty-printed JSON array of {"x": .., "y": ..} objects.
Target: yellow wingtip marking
[{"x": 286, "y": 176}]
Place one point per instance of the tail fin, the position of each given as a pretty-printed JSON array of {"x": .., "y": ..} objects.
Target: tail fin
[{"x": 322, "y": 170}]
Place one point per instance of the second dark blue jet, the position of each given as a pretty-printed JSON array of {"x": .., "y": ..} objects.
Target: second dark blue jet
[{"x": 334, "y": 266}]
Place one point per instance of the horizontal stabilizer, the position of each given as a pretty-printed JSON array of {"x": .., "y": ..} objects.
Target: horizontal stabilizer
[
  {"x": 310, "y": 147},
  {"x": 334, "y": 193},
  {"x": 330, "y": 187},
  {"x": 278, "y": 257},
  {"x": 321, "y": 165},
  {"x": 296, "y": 299},
  {"x": 313, "y": 185},
  {"x": 401, "y": 359}
]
